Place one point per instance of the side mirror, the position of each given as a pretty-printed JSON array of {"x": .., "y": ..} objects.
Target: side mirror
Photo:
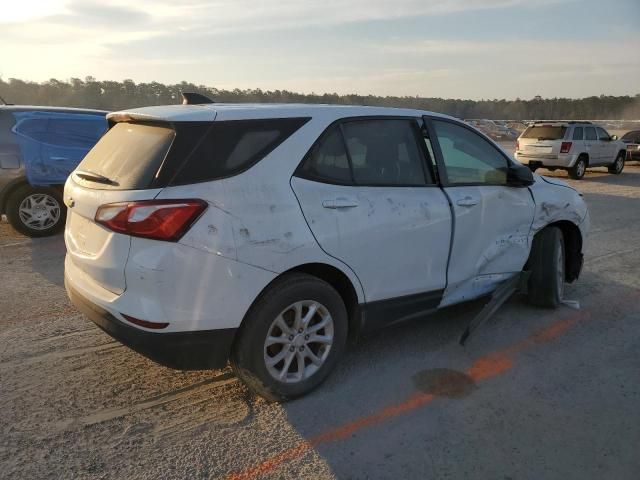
[
  {"x": 614, "y": 137},
  {"x": 519, "y": 175}
]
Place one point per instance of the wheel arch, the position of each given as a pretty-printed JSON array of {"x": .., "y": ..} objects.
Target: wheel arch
[
  {"x": 9, "y": 188},
  {"x": 584, "y": 155},
  {"x": 334, "y": 277}
]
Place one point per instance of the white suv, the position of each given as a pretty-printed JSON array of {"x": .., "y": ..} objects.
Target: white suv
[
  {"x": 571, "y": 146},
  {"x": 268, "y": 234}
]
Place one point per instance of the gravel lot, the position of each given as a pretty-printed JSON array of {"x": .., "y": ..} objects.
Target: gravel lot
[{"x": 535, "y": 394}]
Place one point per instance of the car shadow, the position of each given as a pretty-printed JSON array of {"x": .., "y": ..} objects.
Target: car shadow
[
  {"x": 381, "y": 381},
  {"x": 47, "y": 257}
]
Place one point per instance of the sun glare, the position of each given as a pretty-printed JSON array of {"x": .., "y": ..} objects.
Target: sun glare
[{"x": 26, "y": 10}]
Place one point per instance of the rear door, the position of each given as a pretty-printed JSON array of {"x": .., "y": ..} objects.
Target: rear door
[
  {"x": 371, "y": 201},
  {"x": 491, "y": 219},
  {"x": 119, "y": 168},
  {"x": 593, "y": 145}
]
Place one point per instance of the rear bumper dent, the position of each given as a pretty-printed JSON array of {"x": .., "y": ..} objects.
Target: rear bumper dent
[{"x": 193, "y": 350}]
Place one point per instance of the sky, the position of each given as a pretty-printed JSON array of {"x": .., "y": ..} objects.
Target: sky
[{"x": 475, "y": 49}]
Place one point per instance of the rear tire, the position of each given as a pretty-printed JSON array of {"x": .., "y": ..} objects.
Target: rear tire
[
  {"x": 617, "y": 166},
  {"x": 547, "y": 267},
  {"x": 36, "y": 211},
  {"x": 578, "y": 170},
  {"x": 275, "y": 328}
]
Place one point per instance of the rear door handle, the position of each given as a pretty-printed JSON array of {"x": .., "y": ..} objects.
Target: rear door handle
[
  {"x": 339, "y": 203},
  {"x": 467, "y": 202}
]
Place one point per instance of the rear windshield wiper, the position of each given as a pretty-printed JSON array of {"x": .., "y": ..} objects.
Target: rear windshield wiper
[{"x": 95, "y": 177}]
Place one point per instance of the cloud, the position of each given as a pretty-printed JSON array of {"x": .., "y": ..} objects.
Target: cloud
[
  {"x": 99, "y": 13},
  {"x": 306, "y": 45}
]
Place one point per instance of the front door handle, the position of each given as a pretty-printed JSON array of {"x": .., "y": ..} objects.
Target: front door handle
[
  {"x": 467, "y": 202},
  {"x": 339, "y": 203}
]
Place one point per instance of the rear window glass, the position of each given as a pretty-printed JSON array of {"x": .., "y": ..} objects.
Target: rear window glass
[
  {"x": 545, "y": 132},
  {"x": 230, "y": 147},
  {"x": 591, "y": 133},
  {"x": 129, "y": 155}
]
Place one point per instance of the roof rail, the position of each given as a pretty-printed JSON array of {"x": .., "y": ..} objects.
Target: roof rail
[
  {"x": 193, "y": 98},
  {"x": 570, "y": 122}
]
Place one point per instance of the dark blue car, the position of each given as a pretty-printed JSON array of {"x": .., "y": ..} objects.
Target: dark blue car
[{"x": 39, "y": 148}]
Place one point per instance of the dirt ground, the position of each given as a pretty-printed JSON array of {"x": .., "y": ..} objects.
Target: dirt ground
[{"x": 535, "y": 394}]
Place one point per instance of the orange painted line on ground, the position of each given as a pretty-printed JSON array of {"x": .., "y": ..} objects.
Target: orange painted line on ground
[{"x": 484, "y": 368}]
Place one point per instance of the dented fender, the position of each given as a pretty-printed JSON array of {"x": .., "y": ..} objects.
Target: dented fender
[{"x": 556, "y": 201}]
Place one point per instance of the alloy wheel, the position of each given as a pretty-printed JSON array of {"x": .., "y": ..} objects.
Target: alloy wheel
[{"x": 298, "y": 341}]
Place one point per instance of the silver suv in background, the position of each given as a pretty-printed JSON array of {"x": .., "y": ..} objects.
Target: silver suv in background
[{"x": 571, "y": 146}]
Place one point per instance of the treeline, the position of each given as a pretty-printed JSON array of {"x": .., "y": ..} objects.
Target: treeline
[{"x": 112, "y": 95}]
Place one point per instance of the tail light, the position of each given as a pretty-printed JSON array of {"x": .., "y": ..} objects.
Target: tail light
[
  {"x": 565, "y": 147},
  {"x": 165, "y": 220},
  {"x": 517, "y": 144}
]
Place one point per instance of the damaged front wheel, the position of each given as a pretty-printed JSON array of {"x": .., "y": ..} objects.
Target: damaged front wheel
[{"x": 547, "y": 267}]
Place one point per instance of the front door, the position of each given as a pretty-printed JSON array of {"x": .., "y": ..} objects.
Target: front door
[
  {"x": 491, "y": 219},
  {"x": 370, "y": 200},
  {"x": 608, "y": 148}
]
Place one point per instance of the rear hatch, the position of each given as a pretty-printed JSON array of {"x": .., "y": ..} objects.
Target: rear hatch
[
  {"x": 544, "y": 141},
  {"x": 124, "y": 166}
]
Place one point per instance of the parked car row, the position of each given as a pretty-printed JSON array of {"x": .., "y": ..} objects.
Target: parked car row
[
  {"x": 39, "y": 147},
  {"x": 497, "y": 130}
]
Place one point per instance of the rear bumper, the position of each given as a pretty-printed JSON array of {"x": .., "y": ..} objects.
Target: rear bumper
[
  {"x": 560, "y": 161},
  {"x": 193, "y": 350}
]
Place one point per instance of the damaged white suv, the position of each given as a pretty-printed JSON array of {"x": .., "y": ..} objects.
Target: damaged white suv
[{"x": 268, "y": 234}]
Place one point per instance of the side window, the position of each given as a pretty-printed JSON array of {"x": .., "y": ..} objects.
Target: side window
[
  {"x": 578, "y": 133},
  {"x": 69, "y": 132},
  {"x": 385, "y": 152},
  {"x": 591, "y": 133},
  {"x": 230, "y": 147},
  {"x": 468, "y": 157},
  {"x": 602, "y": 135},
  {"x": 33, "y": 128},
  {"x": 328, "y": 161}
]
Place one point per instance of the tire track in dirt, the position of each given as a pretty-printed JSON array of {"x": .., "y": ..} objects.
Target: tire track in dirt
[
  {"x": 166, "y": 415},
  {"x": 56, "y": 355}
]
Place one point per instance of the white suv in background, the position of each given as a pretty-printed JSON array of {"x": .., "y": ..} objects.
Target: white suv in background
[
  {"x": 268, "y": 234},
  {"x": 571, "y": 146}
]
